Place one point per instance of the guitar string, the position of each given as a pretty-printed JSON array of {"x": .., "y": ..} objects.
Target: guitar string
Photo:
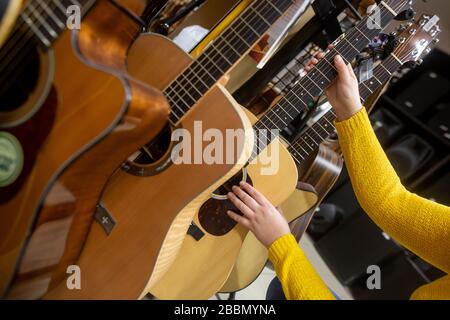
[
  {"x": 22, "y": 23},
  {"x": 298, "y": 144},
  {"x": 229, "y": 48},
  {"x": 19, "y": 39},
  {"x": 271, "y": 115},
  {"x": 318, "y": 134},
  {"x": 389, "y": 64},
  {"x": 216, "y": 54},
  {"x": 310, "y": 87}
]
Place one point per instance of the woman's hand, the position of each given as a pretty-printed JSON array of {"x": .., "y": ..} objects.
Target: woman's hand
[
  {"x": 259, "y": 215},
  {"x": 343, "y": 93}
]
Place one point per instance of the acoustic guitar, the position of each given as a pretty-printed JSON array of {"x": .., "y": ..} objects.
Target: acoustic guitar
[
  {"x": 151, "y": 200},
  {"x": 9, "y": 11},
  {"x": 414, "y": 42},
  {"x": 70, "y": 114},
  {"x": 213, "y": 242}
]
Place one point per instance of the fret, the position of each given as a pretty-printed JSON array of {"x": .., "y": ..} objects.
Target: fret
[
  {"x": 318, "y": 78},
  {"x": 190, "y": 89},
  {"x": 60, "y": 6},
  {"x": 306, "y": 153},
  {"x": 220, "y": 59},
  {"x": 319, "y": 128},
  {"x": 251, "y": 28},
  {"x": 200, "y": 83},
  {"x": 389, "y": 8}
]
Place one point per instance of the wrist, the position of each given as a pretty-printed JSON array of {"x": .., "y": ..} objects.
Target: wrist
[{"x": 346, "y": 113}]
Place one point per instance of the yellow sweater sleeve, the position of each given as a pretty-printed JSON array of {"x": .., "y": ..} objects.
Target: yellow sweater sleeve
[
  {"x": 419, "y": 224},
  {"x": 297, "y": 276}
]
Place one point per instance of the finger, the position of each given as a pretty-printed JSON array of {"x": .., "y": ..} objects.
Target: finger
[
  {"x": 239, "y": 219},
  {"x": 246, "y": 198},
  {"x": 314, "y": 61},
  {"x": 330, "y": 46},
  {"x": 255, "y": 194},
  {"x": 246, "y": 211},
  {"x": 341, "y": 67}
]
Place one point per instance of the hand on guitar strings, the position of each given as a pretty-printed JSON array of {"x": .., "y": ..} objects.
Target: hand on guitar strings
[
  {"x": 343, "y": 93},
  {"x": 259, "y": 215}
]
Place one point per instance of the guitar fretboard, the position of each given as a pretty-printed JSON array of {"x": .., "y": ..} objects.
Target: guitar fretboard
[
  {"x": 222, "y": 54},
  {"x": 304, "y": 93},
  {"x": 48, "y": 18},
  {"x": 313, "y": 136}
]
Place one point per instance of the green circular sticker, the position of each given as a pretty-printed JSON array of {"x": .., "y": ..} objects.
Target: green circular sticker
[{"x": 11, "y": 158}]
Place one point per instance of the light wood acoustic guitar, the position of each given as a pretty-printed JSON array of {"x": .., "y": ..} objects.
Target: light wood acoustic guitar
[
  {"x": 213, "y": 242},
  {"x": 70, "y": 114},
  {"x": 152, "y": 200},
  {"x": 9, "y": 11},
  {"x": 413, "y": 42}
]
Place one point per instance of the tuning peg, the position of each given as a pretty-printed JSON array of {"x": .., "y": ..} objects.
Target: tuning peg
[
  {"x": 419, "y": 62},
  {"x": 428, "y": 50},
  {"x": 436, "y": 41}
]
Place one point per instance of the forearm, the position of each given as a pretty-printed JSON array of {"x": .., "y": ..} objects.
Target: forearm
[
  {"x": 419, "y": 224},
  {"x": 297, "y": 276}
]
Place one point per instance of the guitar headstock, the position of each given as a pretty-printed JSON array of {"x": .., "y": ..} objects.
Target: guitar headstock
[{"x": 416, "y": 38}]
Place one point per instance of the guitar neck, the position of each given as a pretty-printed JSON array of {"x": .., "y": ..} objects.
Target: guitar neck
[
  {"x": 304, "y": 93},
  {"x": 47, "y": 18},
  {"x": 222, "y": 54},
  {"x": 313, "y": 136}
]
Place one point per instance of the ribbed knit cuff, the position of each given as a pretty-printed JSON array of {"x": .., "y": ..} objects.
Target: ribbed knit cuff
[
  {"x": 281, "y": 247},
  {"x": 354, "y": 124}
]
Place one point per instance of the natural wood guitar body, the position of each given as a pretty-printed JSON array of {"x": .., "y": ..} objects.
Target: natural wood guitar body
[
  {"x": 153, "y": 213},
  {"x": 100, "y": 115},
  {"x": 202, "y": 266}
]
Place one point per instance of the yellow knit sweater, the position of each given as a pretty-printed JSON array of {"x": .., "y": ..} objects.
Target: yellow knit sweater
[{"x": 418, "y": 224}]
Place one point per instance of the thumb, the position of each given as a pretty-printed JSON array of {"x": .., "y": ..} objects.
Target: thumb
[{"x": 341, "y": 68}]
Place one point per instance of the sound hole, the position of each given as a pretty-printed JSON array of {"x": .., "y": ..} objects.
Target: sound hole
[
  {"x": 213, "y": 215},
  {"x": 18, "y": 78}
]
